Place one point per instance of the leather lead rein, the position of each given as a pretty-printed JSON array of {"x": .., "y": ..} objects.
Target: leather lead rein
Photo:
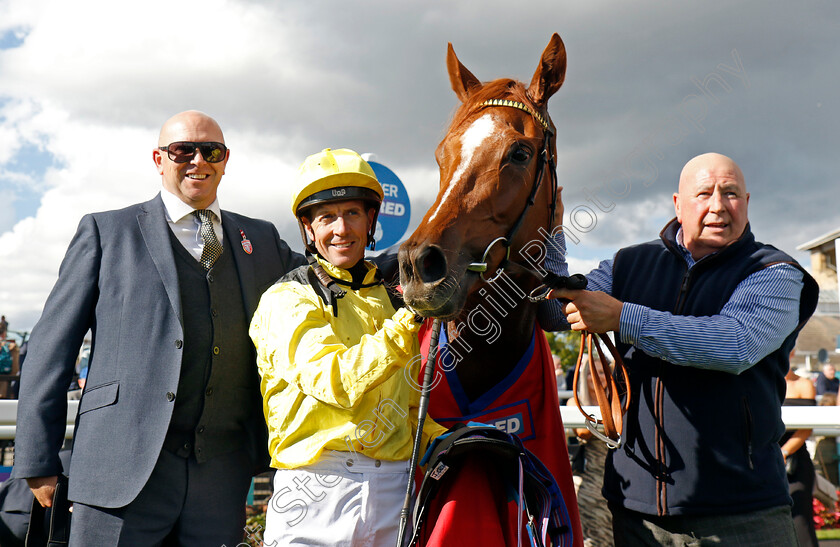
[{"x": 608, "y": 396}]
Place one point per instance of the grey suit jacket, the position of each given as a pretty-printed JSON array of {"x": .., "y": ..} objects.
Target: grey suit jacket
[{"x": 119, "y": 279}]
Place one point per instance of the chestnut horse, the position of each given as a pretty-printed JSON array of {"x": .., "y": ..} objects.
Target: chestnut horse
[{"x": 494, "y": 208}]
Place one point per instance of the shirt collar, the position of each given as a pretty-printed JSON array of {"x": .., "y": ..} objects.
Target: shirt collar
[
  {"x": 672, "y": 235},
  {"x": 344, "y": 275},
  {"x": 678, "y": 239},
  {"x": 177, "y": 209}
]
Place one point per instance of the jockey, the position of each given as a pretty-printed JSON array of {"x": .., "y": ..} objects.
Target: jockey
[{"x": 332, "y": 352}]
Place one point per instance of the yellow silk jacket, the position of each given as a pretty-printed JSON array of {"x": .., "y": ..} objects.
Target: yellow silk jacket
[{"x": 337, "y": 381}]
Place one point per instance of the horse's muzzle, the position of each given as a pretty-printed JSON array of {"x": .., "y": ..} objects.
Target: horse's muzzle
[{"x": 427, "y": 284}]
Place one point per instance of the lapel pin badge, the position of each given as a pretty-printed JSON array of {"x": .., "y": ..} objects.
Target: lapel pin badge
[{"x": 246, "y": 243}]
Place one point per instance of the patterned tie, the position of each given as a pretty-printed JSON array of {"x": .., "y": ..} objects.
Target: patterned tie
[{"x": 212, "y": 248}]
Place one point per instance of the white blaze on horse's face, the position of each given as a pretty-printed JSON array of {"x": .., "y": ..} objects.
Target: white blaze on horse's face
[
  {"x": 471, "y": 140},
  {"x": 485, "y": 148}
]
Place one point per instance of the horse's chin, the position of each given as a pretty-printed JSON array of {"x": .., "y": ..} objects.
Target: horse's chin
[
  {"x": 444, "y": 314},
  {"x": 442, "y": 301}
]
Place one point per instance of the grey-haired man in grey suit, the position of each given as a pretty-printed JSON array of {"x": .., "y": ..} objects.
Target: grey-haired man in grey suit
[{"x": 170, "y": 427}]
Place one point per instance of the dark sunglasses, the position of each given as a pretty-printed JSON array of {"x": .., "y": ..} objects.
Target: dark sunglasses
[{"x": 184, "y": 151}]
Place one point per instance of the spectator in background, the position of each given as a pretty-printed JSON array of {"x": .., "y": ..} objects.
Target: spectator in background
[
  {"x": 8, "y": 358},
  {"x": 570, "y": 378},
  {"x": 559, "y": 374},
  {"x": 9, "y": 365},
  {"x": 75, "y": 392},
  {"x": 82, "y": 378},
  {"x": 799, "y": 391},
  {"x": 825, "y": 452},
  {"x": 827, "y": 381}
]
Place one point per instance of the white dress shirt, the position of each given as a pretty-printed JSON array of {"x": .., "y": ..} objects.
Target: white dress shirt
[{"x": 186, "y": 226}]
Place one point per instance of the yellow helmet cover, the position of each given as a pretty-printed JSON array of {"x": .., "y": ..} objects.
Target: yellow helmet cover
[{"x": 334, "y": 175}]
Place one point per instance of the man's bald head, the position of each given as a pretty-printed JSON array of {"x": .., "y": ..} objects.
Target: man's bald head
[
  {"x": 195, "y": 181},
  {"x": 713, "y": 161},
  {"x": 711, "y": 204},
  {"x": 189, "y": 119}
]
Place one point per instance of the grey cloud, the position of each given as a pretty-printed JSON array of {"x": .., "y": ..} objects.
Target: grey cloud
[{"x": 371, "y": 75}]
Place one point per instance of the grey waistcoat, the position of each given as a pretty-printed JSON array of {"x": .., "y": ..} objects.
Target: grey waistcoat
[{"x": 213, "y": 403}]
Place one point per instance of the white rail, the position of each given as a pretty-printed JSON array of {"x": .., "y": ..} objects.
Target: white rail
[
  {"x": 8, "y": 418},
  {"x": 824, "y": 420}
]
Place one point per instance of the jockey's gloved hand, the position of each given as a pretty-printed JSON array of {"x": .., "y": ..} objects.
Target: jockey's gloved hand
[{"x": 417, "y": 317}]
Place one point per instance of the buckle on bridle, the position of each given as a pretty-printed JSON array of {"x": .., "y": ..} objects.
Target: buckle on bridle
[
  {"x": 551, "y": 281},
  {"x": 592, "y": 427},
  {"x": 481, "y": 267}
]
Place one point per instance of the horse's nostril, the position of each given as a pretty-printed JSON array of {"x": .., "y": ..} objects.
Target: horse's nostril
[
  {"x": 406, "y": 271},
  {"x": 431, "y": 264}
]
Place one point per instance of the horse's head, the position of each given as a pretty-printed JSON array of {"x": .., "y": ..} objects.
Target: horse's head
[{"x": 491, "y": 162}]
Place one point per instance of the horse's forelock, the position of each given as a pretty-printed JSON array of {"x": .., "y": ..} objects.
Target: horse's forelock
[{"x": 504, "y": 88}]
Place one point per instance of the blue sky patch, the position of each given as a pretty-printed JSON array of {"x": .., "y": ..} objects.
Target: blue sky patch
[
  {"x": 12, "y": 38},
  {"x": 27, "y": 201},
  {"x": 31, "y": 163}
]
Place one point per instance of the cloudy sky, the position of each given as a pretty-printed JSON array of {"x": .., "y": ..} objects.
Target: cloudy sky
[{"x": 85, "y": 85}]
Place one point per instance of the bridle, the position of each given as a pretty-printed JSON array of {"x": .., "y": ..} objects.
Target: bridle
[
  {"x": 548, "y": 280},
  {"x": 608, "y": 397},
  {"x": 544, "y": 158}
]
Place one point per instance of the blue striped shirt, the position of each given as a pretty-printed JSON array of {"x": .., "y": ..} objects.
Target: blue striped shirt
[{"x": 762, "y": 311}]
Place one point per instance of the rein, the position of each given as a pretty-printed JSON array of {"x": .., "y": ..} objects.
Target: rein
[{"x": 608, "y": 397}]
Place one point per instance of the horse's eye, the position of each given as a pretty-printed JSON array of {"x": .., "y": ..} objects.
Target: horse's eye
[{"x": 520, "y": 154}]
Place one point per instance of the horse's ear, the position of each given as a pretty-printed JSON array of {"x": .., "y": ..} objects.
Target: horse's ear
[
  {"x": 550, "y": 74},
  {"x": 463, "y": 82}
]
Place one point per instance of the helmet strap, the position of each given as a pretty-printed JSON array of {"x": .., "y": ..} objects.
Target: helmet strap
[
  {"x": 308, "y": 245},
  {"x": 372, "y": 233}
]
